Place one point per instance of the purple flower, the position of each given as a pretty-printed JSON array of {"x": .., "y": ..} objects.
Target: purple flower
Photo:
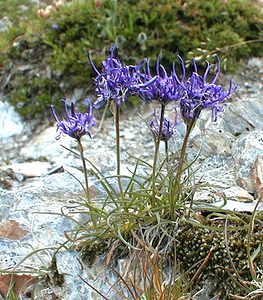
[
  {"x": 168, "y": 128},
  {"x": 161, "y": 87},
  {"x": 75, "y": 124},
  {"x": 55, "y": 26},
  {"x": 198, "y": 94},
  {"x": 116, "y": 81}
]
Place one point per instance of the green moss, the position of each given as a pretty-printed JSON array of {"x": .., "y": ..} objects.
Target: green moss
[
  {"x": 191, "y": 28},
  {"x": 227, "y": 264},
  {"x": 45, "y": 91},
  {"x": 15, "y": 8}
]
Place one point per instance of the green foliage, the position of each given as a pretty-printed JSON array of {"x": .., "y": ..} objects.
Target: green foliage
[
  {"x": 44, "y": 90},
  {"x": 14, "y": 8},
  {"x": 191, "y": 28}
]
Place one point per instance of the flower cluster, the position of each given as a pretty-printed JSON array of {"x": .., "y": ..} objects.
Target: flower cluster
[
  {"x": 116, "y": 81},
  {"x": 75, "y": 124},
  {"x": 160, "y": 87},
  {"x": 167, "y": 128},
  {"x": 199, "y": 95}
]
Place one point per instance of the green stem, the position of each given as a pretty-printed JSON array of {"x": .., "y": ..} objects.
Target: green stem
[
  {"x": 81, "y": 151},
  {"x": 89, "y": 205},
  {"x": 177, "y": 187},
  {"x": 168, "y": 170},
  {"x": 155, "y": 158},
  {"x": 167, "y": 151},
  {"x": 118, "y": 151}
]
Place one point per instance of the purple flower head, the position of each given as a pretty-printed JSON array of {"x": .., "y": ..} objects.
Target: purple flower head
[
  {"x": 75, "y": 124},
  {"x": 55, "y": 26},
  {"x": 198, "y": 94},
  {"x": 116, "y": 81},
  {"x": 161, "y": 87},
  {"x": 168, "y": 128}
]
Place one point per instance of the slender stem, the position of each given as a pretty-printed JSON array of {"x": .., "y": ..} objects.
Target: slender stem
[
  {"x": 102, "y": 118},
  {"x": 249, "y": 237},
  {"x": 89, "y": 205},
  {"x": 168, "y": 170},
  {"x": 167, "y": 151},
  {"x": 118, "y": 151},
  {"x": 81, "y": 151},
  {"x": 177, "y": 187},
  {"x": 183, "y": 149},
  {"x": 155, "y": 158}
]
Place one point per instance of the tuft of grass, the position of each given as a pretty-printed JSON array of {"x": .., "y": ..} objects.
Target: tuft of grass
[{"x": 206, "y": 244}]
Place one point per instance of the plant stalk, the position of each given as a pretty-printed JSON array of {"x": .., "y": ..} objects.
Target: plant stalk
[
  {"x": 167, "y": 151},
  {"x": 90, "y": 206},
  {"x": 155, "y": 158},
  {"x": 177, "y": 187},
  {"x": 118, "y": 149},
  {"x": 81, "y": 151},
  {"x": 249, "y": 237}
]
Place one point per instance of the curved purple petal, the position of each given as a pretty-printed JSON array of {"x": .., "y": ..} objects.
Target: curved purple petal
[{"x": 75, "y": 124}]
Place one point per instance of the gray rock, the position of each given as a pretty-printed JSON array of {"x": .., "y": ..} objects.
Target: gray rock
[
  {"x": 215, "y": 180},
  {"x": 38, "y": 206},
  {"x": 216, "y": 171},
  {"x": 31, "y": 169},
  {"x": 256, "y": 62},
  {"x": 245, "y": 152},
  {"x": 237, "y": 193},
  {"x": 44, "y": 145},
  {"x": 76, "y": 274},
  {"x": 238, "y": 206},
  {"x": 10, "y": 122},
  {"x": 217, "y": 193},
  {"x": 68, "y": 262},
  {"x": 257, "y": 175},
  {"x": 212, "y": 141},
  {"x": 244, "y": 115}
]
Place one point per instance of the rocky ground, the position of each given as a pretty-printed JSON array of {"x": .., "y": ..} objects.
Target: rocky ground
[{"x": 36, "y": 185}]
